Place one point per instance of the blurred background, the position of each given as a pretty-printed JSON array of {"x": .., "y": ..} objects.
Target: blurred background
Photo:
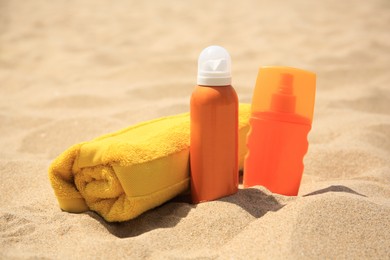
[{"x": 76, "y": 63}]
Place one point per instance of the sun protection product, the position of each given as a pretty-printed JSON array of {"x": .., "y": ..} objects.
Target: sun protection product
[
  {"x": 214, "y": 128},
  {"x": 281, "y": 117}
]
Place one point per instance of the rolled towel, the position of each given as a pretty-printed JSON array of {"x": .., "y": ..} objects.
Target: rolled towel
[{"x": 125, "y": 173}]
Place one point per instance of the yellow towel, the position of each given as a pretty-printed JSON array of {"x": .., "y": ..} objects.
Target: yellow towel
[{"x": 123, "y": 174}]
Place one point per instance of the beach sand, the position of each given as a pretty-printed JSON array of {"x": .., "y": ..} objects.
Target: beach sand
[{"x": 73, "y": 70}]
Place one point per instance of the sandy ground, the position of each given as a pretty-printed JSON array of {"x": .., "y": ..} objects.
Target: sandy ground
[{"x": 73, "y": 70}]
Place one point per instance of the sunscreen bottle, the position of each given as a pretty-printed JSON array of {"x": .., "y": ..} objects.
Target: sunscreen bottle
[
  {"x": 281, "y": 117},
  {"x": 214, "y": 128}
]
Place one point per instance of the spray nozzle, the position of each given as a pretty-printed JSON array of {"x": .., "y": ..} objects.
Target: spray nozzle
[
  {"x": 284, "y": 100},
  {"x": 214, "y": 67},
  {"x": 286, "y": 84}
]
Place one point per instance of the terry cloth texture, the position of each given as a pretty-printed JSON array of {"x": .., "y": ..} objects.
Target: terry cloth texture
[{"x": 123, "y": 174}]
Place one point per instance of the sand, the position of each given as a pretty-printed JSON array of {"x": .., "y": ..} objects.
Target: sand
[{"x": 73, "y": 70}]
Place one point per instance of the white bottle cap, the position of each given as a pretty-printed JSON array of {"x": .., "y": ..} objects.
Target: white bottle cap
[{"x": 214, "y": 67}]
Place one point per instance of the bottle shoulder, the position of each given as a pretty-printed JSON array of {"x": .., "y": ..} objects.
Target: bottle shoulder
[
  {"x": 212, "y": 94},
  {"x": 281, "y": 117}
]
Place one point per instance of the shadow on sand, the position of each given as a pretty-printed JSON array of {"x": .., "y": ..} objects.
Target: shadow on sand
[
  {"x": 164, "y": 216},
  {"x": 254, "y": 201},
  {"x": 334, "y": 188}
]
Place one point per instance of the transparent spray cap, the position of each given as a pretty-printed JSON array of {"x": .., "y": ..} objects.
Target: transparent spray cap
[
  {"x": 285, "y": 90},
  {"x": 214, "y": 67}
]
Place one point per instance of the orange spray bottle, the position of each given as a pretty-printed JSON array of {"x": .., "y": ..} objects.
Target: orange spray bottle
[
  {"x": 281, "y": 117},
  {"x": 214, "y": 128}
]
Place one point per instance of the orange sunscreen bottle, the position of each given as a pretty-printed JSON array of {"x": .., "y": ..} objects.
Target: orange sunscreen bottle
[
  {"x": 281, "y": 117},
  {"x": 214, "y": 128}
]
